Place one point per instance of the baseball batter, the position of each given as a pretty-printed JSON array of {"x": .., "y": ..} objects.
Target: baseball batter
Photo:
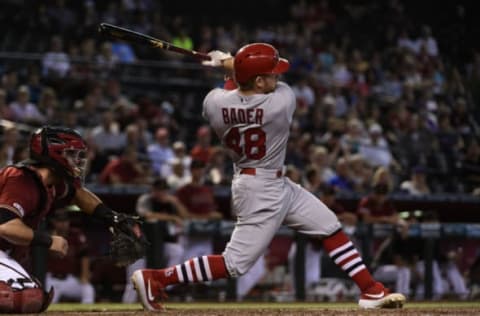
[{"x": 253, "y": 122}]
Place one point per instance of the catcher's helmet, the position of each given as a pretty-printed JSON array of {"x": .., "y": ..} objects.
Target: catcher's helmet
[
  {"x": 257, "y": 59},
  {"x": 62, "y": 149}
]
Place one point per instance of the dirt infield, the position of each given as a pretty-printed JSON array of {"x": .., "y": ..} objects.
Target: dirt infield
[
  {"x": 244, "y": 309},
  {"x": 283, "y": 312}
]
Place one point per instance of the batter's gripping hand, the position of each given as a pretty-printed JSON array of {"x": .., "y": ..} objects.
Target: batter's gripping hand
[
  {"x": 128, "y": 242},
  {"x": 217, "y": 57}
]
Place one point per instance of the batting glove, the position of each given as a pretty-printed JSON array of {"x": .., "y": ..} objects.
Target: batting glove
[{"x": 217, "y": 57}]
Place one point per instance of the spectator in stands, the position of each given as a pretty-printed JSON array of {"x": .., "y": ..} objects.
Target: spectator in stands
[
  {"x": 375, "y": 148},
  {"x": 123, "y": 51},
  {"x": 293, "y": 173},
  {"x": 159, "y": 205},
  {"x": 417, "y": 184},
  {"x": 179, "y": 177},
  {"x": 342, "y": 181},
  {"x": 35, "y": 86},
  {"x": 200, "y": 202},
  {"x": 106, "y": 139},
  {"x": 23, "y": 110},
  {"x": 89, "y": 113},
  {"x": 70, "y": 275},
  {"x": 354, "y": 138},
  {"x": 48, "y": 105},
  {"x": 106, "y": 60},
  {"x": 360, "y": 172},
  {"x": 124, "y": 170},
  {"x": 449, "y": 140},
  {"x": 63, "y": 17},
  {"x": 470, "y": 165},
  {"x": 312, "y": 181},
  {"x": 218, "y": 171},
  {"x": 136, "y": 139},
  {"x": 415, "y": 144},
  {"x": 304, "y": 93},
  {"x": 10, "y": 141},
  {"x": 182, "y": 39},
  {"x": 10, "y": 84},
  {"x": 5, "y": 111},
  {"x": 84, "y": 69},
  {"x": 320, "y": 159},
  {"x": 56, "y": 63},
  {"x": 203, "y": 148},
  {"x": 180, "y": 152},
  {"x": 160, "y": 153},
  {"x": 377, "y": 207}
]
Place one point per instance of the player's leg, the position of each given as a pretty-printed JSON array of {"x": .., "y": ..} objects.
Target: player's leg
[
  {"x": 240, "y": 254},
  {"x": 50, "y": 281},
  {"x": 310, "y": 216},
  {"x": 312, "y": 264},
  {"x": 404, "y": 277},
  {"x": 175, "y": 253},
  {"x": 456, "y": 280},
  {"x": 247, "y": 281},
  {"x": 73, "y": 288},
  {"x": 195, "y": 247},
  {"x": 129, "y": 293},
  {"x": 19, "y": 292},
  {"x": 253, "y": 233}
]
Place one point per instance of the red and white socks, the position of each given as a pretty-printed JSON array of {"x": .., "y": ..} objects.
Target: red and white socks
[
  {"x": 198, "y": 269},
  {"x": 346, "y": 256}
]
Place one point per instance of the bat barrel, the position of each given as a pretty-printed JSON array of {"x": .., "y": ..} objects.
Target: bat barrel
[{"x": 113, "y": 31}]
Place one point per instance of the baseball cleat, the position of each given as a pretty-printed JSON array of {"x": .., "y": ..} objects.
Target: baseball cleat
[
  {"x": 150, "y": 291},
  {"x": 380, "y": 297}
]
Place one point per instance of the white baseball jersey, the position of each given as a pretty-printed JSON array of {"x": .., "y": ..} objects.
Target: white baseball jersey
[{"x": 254, "y": 128}]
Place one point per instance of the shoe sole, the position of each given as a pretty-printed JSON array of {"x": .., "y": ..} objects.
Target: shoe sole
[
  {"x": 394, "y": 300},
  {"x": 137, "y": 280}
]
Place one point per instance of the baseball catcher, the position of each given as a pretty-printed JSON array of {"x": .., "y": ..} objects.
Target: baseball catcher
[{"x": 53, "y": 177}]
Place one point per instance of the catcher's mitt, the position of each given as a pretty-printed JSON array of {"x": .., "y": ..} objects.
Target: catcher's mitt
[{"x": 128, "y": 242}]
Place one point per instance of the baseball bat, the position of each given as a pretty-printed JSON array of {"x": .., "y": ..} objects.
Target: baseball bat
[
  {"x": 19, "y": 126},
  {"x": 117, "y": 32}
]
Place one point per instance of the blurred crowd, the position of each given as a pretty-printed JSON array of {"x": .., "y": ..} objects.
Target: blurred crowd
[{"x": 367, "y": 97}]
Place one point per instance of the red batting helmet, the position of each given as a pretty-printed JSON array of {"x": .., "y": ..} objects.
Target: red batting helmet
[
  {"x": 61, "y": 148},
  {"x": 257, "y": 59}
]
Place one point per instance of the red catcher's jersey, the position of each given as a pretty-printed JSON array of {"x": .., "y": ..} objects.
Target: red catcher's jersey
[{"x": 23, "y": 193}]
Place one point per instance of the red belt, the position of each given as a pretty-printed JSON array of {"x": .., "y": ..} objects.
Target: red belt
[{"x": 253, "y": 171}]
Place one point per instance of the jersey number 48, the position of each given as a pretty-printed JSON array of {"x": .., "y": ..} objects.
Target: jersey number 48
[{"x": 253, "y": 139}]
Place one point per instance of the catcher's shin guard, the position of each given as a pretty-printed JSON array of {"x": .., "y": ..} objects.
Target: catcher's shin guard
[{"x": 26, "y": 301}]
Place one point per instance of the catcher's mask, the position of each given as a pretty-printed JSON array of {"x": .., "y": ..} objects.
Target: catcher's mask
[
  {"x": 257, "y": 59},
  {"x": 62, "y": 149}
]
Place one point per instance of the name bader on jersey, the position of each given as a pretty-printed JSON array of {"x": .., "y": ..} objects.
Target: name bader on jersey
[{"x": 242, "y": 116}]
